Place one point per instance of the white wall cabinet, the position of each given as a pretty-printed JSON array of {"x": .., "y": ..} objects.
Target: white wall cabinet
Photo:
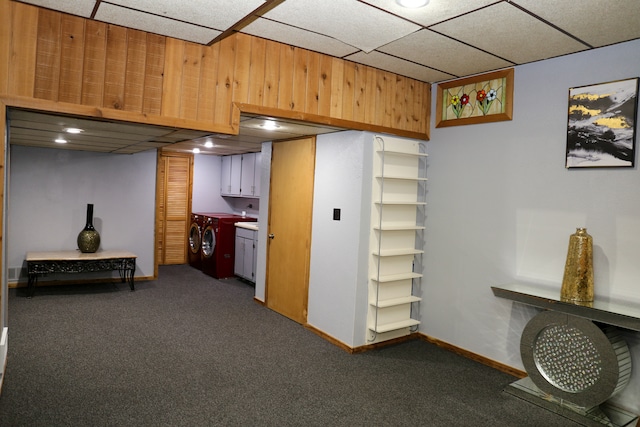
[
  {"x": 245, "y": 253},
  {"x": 397, "y": 224},
  {"x": 240, "y": 175},
  {"x": 231, "y": 175}
]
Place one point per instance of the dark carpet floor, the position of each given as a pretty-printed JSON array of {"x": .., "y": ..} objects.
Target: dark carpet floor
[{"x": 189, "y": 350}]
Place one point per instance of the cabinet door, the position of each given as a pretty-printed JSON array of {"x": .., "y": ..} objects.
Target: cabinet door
[
  {"x": 236, "y": 171},
  {"x": 248, "y": 260},
  {"x": 225, "y": 176},
  {"x": 257, "y": 174},
  {"x": 245, "y": 261},
  {"x": 254, "y": 269},
  {"x": 248, "y": 168},
  {"x": 238, "y": 263}
]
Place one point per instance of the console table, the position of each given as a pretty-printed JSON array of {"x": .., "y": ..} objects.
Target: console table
[
  {"x": 574, "y": 354},
  {"x": 39, "y": 263}
]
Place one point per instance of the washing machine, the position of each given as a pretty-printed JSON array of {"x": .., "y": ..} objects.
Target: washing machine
[
  {"x": 194, "y": 240},
  {"x": 218, "y": 243}
]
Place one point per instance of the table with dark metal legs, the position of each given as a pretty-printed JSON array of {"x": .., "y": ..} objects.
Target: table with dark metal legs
[{"x": 40, "y": 263}]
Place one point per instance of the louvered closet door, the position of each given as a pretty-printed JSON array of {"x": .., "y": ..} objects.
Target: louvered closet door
[{"x": 175, "y": 174}]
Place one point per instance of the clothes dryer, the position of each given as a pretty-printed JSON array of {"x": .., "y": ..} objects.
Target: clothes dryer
[
  {"x": 218, "y": 244},
  {"x": 194, "y": 240}
]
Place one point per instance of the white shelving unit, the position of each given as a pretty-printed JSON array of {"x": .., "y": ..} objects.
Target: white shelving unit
[{"x": 397, "y": 237}]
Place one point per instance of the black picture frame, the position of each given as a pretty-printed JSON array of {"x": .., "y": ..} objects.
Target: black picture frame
[{"x": 601, "y": 129}]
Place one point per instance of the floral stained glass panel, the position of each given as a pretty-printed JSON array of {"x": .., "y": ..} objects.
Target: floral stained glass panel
[
  {"x": 474, "y": 100},
  {"x": 478, "y": 99}
]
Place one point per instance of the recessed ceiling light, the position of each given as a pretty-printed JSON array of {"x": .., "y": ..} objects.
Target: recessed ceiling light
[
  {"x": 61, "y": 140},
  {"x": 208, "y": 144},
  {"x": 412, "y": 4},
  {"x": 270, "y": 125},
  {"x": 74, "y": 130},
  {"x": 196, "y": 150}
]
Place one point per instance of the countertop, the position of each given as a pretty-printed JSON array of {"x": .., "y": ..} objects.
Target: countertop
[{"x": 247, "y": 225}]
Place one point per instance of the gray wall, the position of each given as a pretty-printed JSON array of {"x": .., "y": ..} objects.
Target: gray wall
[
  {"x": 340, "y": 249},
  {"x": 49, "y": 191},
  {"x": 337, "y": 302},
  {"x": 263, "y": 220},
  {"x": 206, "y": 185},
  {"x": 501, "y": 207}
]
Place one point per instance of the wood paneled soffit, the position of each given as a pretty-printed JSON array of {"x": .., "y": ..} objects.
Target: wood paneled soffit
[
  {"x": 318, "y": 119},
  {"x": 68, "y": 62},
  {"x": 111, "y": 114}
]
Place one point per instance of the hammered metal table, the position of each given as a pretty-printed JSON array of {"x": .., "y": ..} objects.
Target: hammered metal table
[
  {"x": 39, "y": 263},
  {"x": 575, "y": 354}
]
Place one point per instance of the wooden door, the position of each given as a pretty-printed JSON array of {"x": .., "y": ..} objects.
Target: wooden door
[
  {"x": 290, "y": 211},
  {"x": 173, "y": 207}
]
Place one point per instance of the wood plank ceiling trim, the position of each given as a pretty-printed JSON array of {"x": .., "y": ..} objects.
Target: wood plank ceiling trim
[{"x": 64, "y": 59}]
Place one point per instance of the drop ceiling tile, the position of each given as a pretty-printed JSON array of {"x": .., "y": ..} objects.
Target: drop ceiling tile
[
  {"x": 222, "y": 139},
  {"x": 437, "y": 51},
  {"x": 75, "y": 7},
  {"x": 53, "y": 123},
  {"x": 349, "y": 21},
  {"x": 282, "y": 33},
  {"x": 285, "y": 126},
  {"x": 34, "y": 135},
  {"x": 217, "y": 137},
  {"x": 217, "y": 14},
  {"x": 436, "y": 11},
  {"x": 83, "y": 147},
  {"x": 239, "y": 144},
  {"x": 107, "y": 141},
  {"x": 182, "y": 134},
  {"x": 596, "y": 22},
  {"x": 155, "y": 24},
  {"x": 151, "y": 144},
  {"x": 400, "y": 66},
  {"x": 273, "y": 135},
  {"x": 127, "y": 150},
  {"x": 126, "y": 128},
  {"x": 484, "y": 30},
  {"x": 43, "y": 126}
]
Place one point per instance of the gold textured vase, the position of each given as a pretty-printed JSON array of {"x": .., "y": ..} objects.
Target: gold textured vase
[
  {"x": 89, "y": 238},
  {"x": 577, "y": 283}
]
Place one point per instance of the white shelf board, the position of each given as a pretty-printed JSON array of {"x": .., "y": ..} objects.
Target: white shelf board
[
  {"x": 396, "y": 277},
  {"x": 395, "y": 325},
  {"x": 403, "y": 153},
  {"x": 398, "y": 252},
  {"x": 401, "y": 203},
  {"x": 395, "y": 301},
  {"x": 406, "y": 178},
  {"x": 398, "y": 227}
]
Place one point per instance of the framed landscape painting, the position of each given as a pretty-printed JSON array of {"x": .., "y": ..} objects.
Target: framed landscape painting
[{"x": 602, "y": 125}]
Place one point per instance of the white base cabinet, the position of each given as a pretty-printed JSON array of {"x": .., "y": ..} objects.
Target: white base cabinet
[{"x": 246, "y": 254}]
